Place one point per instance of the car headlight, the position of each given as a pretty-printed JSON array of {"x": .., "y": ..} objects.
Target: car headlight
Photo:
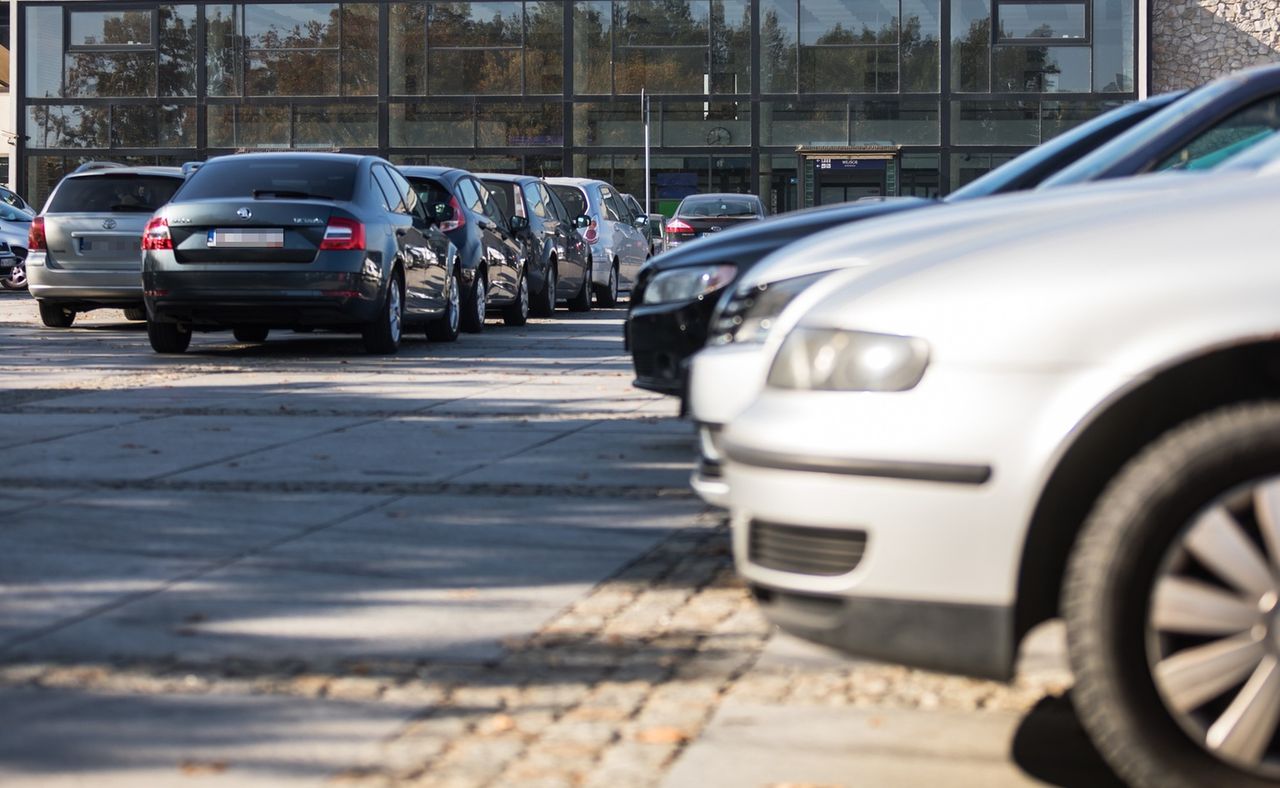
[
  {"x": 749, "y": 315},
  {"x": 686, "y": 284},
  {"x": 828, "y": 359}
]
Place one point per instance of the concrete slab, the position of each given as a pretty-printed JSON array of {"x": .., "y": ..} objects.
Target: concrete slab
[
  {"x": 599, "y": 458},
  {"x": 41, "y": 427},
  {"x": 56, "y": 738}
]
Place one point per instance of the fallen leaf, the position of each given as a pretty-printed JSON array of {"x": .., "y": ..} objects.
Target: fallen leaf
[
  {"x": 498, "y": 723},
  {"x": 202, "y": 767},
  {"x": 663, "y": 734}
]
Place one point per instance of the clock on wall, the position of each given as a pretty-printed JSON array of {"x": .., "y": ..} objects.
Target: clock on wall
[{"x": 718, "y": 136}]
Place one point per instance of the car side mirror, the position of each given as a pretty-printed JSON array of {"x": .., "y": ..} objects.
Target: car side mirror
[
  {"x": 641, "y": 221},
  {"x": 441, "y": 212},
  {"x": 519, "y": 224},
  {"x": 582, "y": 221}
]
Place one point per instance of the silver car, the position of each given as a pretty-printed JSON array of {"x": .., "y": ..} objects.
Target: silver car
[
  {"x": 86, "y": 245},
  {"x": 615, "y": 235}
]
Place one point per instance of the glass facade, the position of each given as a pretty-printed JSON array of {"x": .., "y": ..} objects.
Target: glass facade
[{"x": 553, "y": 86}]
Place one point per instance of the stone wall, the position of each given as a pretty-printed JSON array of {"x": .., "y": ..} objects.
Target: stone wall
[{"x": 1193, "y": 41}]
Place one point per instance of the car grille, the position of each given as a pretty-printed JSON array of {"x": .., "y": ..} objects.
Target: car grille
[{"x": 807, "y": 551}]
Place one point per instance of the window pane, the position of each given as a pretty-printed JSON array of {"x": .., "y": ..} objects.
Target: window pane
[
  {"x": 44, "y": 36},
  {"x": 1042, "y": 69},
  {"x": 177, "y": 50},
  {"x": 111, "y": 74},
  {"x": 848, "y": 69},
  {"x": 292, "y": 72},
  {"x": 1113, "y": 60},
  {"x": 153, "y": 127},
  {"x": 907, "y": 122},
  {"x": 995, "y": 123},
  {"x": 849, "y": 22},
  {"x": 1059, "y": 116},
  {"x": 300, "y": 26},
  {"x": 224, "y": 57},
  {"x": 1042, "y": 20},
  {"x": 509, "y": 164},
  {"x": 592, "y": 47},
  {"x": 658, "y": 23},
  {"x": 544, "y": 51},
  {"x": 779, "y": 31},
  {"x": 103, "y": 28},
  {"x": 457, "y": 72},
  {"x": 804, "y": 123},
  {"x": 336, "y": 126},
  {"x": 921, "y": 43},
  {"x": 699, "y": 124},
  {"x": 661, "y": 70},
  {"x": 438, "y": 124},
  {"x": 474, "y": 24},
  {"x": 608, "y": 124},
  {"x": 103, "y": 193},
  {"x": 730, "y": 46},
  {"x": 544, "y": 166},
  {"x": 248, "y": 127},
  {"x": 968, "y": 167},
  {"x": 359, "y": 49},
  {"x": 520, "y": 125},
  {"x": 407, "y": 48},
  {"x": 44, "y": 172},
  {"x": 970, "y": 45},
  {"x": 918, "y": 175},
  {"x": 68, "y": 127}
]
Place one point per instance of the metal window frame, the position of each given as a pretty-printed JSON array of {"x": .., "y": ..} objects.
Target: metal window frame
[{"x": 998, "y": 40}]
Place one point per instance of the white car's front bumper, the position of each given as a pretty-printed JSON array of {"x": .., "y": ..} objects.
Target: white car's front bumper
[{"x": 723, "y": 381}]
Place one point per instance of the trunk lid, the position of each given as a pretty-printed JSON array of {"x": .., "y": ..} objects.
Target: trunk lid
[
  {"x": 243, "y": 230},
  {"x": 95, "y": 241}
]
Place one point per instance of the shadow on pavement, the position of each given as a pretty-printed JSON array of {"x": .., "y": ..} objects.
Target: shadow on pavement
[{"x": 1051, "y": 745}]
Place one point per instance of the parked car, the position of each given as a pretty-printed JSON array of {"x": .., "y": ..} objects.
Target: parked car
[
  {"x": 15, "y": 229},
  {"x": 1077, "y": 416},
  {"x": 556, "y": 256},
  {"x": 492, "y": 254},
  {"x": 667, "y": 325},
  {"x": 84, "y": 246},
  {"x": 699, "y": 215},
  {"x": 258, "y": 241},
  {"x": 615, "y": 236},
  {"x": 652, "y": 229}
]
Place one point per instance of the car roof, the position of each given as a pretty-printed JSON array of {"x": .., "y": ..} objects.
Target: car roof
[
  {"x": 354, "y": 158},
  {"x": 563, "y": 181},
  {"x": 713, "y": 196},
  {"x": 431, "y": 171},
  {"x": 142, "y": 170},
  {"x": 506, "y": 177}
]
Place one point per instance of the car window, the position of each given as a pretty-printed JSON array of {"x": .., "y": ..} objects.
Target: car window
[
  {"x": 557, "y": 207},
  {"x": 469, "y": 191},
  {"x": 505, "y": 193},
  {"x": 378, "y": 192},
  {"x": 123, "y": 193},
  {"x": 413, "y": 205},
  {"x": 573, "y": 198},
  {"x": 493, "y": 211},
  {"x": 533, "y": 196},
  {"x": 609, "y": 202},
  {"x": 235, "y": 176},
  {"x": 383, "y": 176},
  {"x": 431, "y": 192},
  {"x": 725, "y": 207},
  {"x": 1227, "y": 137}
]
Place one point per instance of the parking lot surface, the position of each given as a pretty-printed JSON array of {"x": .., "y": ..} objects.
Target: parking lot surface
[{"x": 466, "y": 564}]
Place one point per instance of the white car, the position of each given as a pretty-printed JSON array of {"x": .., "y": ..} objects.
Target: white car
[{"x": 1078, "y": 417}]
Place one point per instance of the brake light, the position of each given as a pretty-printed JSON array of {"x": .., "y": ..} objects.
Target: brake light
[
  {"x": 677, "y": 227},
  {"x": 459, "y": 218},
  {"x": 592, "y": 233},
  {"x": 36, "y": 241},
  {"x": 343, "y": 235},
  {"x": 156, "y": 235}
]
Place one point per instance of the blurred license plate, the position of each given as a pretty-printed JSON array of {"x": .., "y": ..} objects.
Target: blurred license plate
[
  {"x": 251, "y": 239},
  {"x": 109, "y": 245}
]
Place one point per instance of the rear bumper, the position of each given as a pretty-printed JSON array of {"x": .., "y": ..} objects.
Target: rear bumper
[
  {"x": 662, "y": 337},
  {"x": 87, "y": 287},
  {"x": 204, "y": 298}
]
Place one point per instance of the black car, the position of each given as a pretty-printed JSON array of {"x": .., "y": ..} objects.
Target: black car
[
  {"x": 492, "y": 254},
  {"x": 556, "y": 261},
  {"x": 676, "y": 292},
  {"x": 702, "y": 214},
  {"x": 258, "y": 241}
]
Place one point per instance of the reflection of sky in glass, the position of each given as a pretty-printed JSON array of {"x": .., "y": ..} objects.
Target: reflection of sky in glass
[
  {"x": 90, "y": 27},
  {"x": 647, "y": 24},
  {"x": 927, "y": 12},
  {"x": 1042, "y": 20},
  {"x": 259, "y": 20},
  {"x": 818, "y": 19}
]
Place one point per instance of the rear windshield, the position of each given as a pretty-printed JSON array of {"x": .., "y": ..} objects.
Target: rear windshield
[
  {"x": 572, "y": 197},
  {"x": 504, "y": 192},
  {"x": 123, "y": 193},
  {"x": 721, "y": 207},
  {"x": 270, "y": 178}
]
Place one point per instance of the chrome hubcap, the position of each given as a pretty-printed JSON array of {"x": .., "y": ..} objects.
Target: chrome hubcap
[
  {"x": 18, "y": 274},
  {"x": 394, "y": 318},
  {"x": 454, "y": 305},
  {"x": 1213, "y": 628}
]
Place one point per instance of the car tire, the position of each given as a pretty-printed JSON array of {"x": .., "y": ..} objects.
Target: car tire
[
  {"x": 16, "y": 279},
  {"x": 55, "y": 315},
  {"x": 1139, "y": 600},
  {"x": 251, "y": 333},
  {"x": 517, "y": 312},
  {"x": 136, "y": 313},
  {"x": 168, "y": 337},
  {"x": 582, "y": 301},
  {"x": 544, "y": 305},
  {"x": 446, "y": 327},
  {"x": 475, "y": 304},
  {"x": 607, "y": 294},
  {"x": 382, "y": 336}
]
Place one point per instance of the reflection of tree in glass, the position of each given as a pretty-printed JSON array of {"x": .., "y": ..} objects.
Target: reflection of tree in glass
[
  {"x": 970, "y": 57},
  {"x": 919, "y": 57},
  {"x": 777, "y": 55}
]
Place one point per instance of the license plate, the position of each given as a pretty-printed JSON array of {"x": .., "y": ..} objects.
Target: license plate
[
  {"x": 109, "y": 245},
  {"x": 246, "y": 239}
]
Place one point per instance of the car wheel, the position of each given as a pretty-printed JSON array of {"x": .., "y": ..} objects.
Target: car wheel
[
  {"x": 475, "y": 304},
  {"x": 517, "y": 312},
  {"x": 607, "y": 295},
  {"x": 16, "y": 279},
  {"x": 251, "y": 333},
  {"x": 382, "y": 336},
  {"x": 1173, "y": 607},
  {"x": 582, "y": 301},
  {"x": 55, "y": 315},
  {"x": 136, "y": 313},
  {"x": 545, "y": 304},
  {"x": 445, "y": 328},
  {"x": 168, "y": 337}
]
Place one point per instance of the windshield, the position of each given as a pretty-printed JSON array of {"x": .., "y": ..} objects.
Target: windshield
[
  {"x": 1254, "y": 157},
  {"x": 115, "y": 193},
  {"x": 718, "y": 207},
  {"x": 1021, "y": 173},
  {"x": 572, "y": 197},
  {"x": 230, "y": 176}
]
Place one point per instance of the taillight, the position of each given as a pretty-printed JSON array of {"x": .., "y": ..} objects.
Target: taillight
[
  {"x": 156, "y": 235},
  {"x": 592, "y": 233},
  {"x": 35, "y": 236},
  {"x": 459, "y": 218},
  {"x": 343, "y": 235},
  {"x": 677, "y": 227}
]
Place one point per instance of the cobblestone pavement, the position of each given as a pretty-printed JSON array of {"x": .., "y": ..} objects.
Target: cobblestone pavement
[{"x": 597, "y": 673}]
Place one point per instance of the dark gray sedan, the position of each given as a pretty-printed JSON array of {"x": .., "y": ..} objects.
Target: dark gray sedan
[{"x": 298, "y": 240}]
